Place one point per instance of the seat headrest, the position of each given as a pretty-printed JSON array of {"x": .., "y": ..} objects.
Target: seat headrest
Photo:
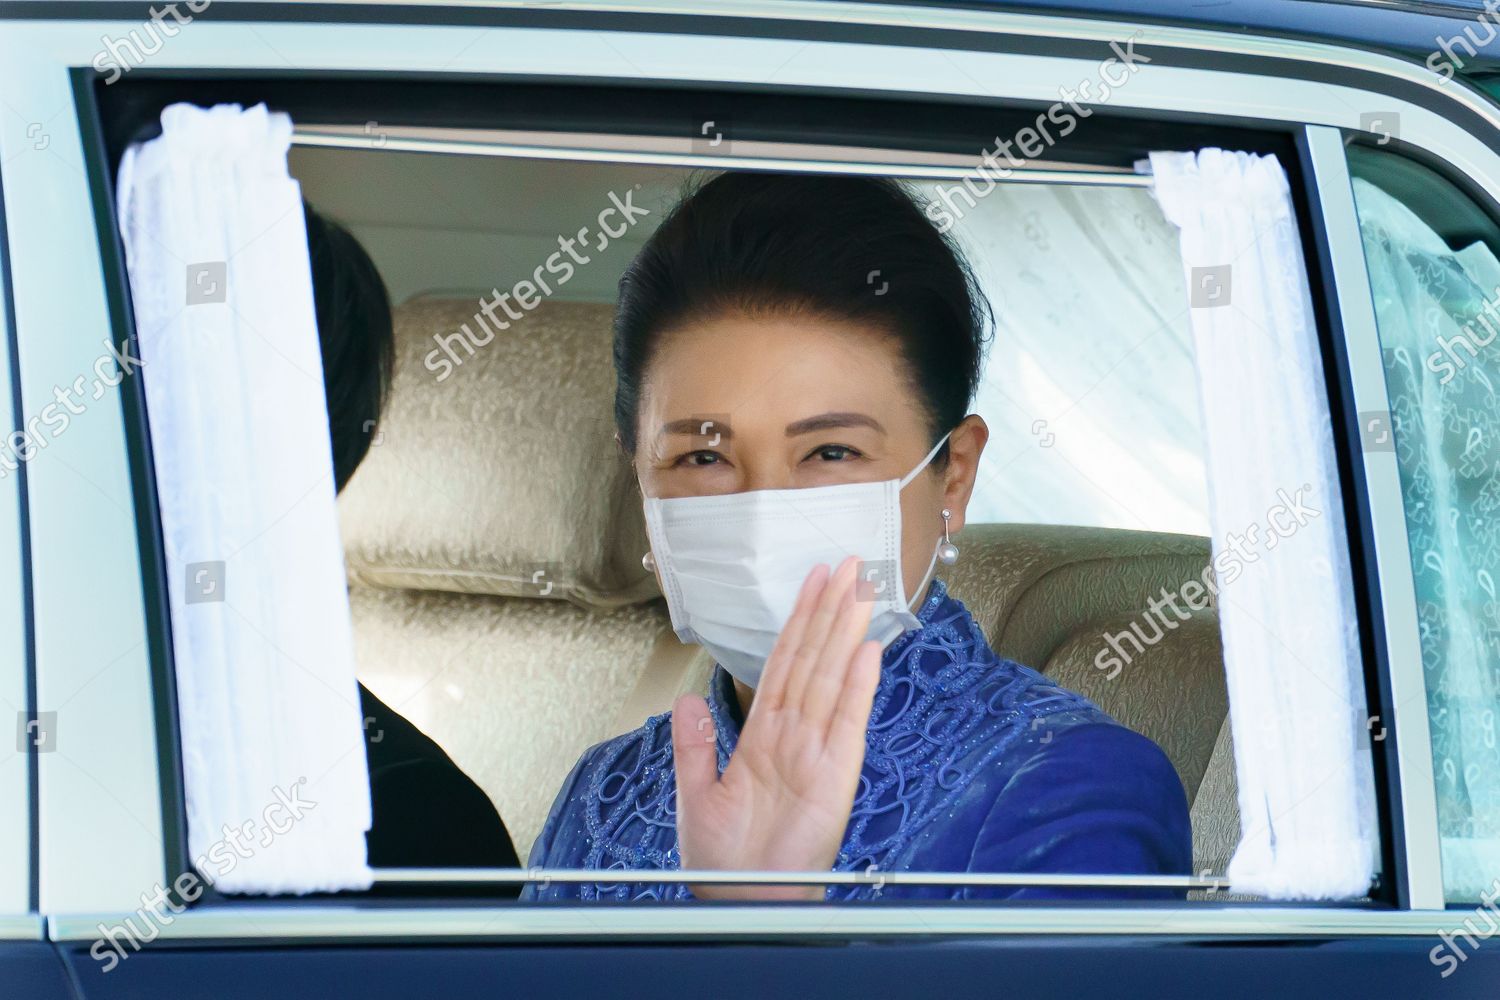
[
  {"x": 494, "y": 469},
  {"x": 1030, "y": 585}
]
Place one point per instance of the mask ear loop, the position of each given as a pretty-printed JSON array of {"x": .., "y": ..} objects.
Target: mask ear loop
[
  {"x": 901, "y": 485},
  {"x": 922, "y": 587}
]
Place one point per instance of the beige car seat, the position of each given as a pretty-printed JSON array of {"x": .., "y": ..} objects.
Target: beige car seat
[{"x": 496, "y": 587}]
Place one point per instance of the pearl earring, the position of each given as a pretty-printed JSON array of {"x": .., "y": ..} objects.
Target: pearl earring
[
  {"x": 648, "y": 561},
  {"x": 947, "y": 552}
]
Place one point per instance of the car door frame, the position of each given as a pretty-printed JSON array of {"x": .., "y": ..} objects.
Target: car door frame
[{"x": 877, "y": 49}]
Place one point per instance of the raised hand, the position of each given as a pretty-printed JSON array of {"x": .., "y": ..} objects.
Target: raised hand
[{"x": 783, "y": 802}]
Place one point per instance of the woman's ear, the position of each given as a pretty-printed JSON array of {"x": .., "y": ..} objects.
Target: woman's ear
[{"x": 965, "y": 445}]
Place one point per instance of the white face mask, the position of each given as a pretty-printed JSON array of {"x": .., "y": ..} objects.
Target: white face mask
[{"x": 732, "y": 565}]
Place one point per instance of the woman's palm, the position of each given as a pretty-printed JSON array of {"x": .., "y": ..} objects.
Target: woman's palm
[{"x": 783, "y": 802}]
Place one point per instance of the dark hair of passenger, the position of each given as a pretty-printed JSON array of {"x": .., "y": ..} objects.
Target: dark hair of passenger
[
  {"x": 356, "y": 336},
  {"x": 765, "y": 245}
]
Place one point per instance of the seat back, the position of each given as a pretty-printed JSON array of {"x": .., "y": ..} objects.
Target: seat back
[
  {"x": 493, "y": 541},
  {"x": 1076, "y": 604}
]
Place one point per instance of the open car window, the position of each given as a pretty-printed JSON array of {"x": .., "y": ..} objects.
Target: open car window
[
  {"x": 451, "y": 359},
  {"x": 492, "y": 530}
]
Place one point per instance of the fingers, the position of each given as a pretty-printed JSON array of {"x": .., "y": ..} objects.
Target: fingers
[
  {"x": 807, "y": 656},
  {"x": 827, "y": 679},
  {"x": 851, "y": 716},
  {"x": 773, "y": 679},
  {"x": 694, "y": 750}
]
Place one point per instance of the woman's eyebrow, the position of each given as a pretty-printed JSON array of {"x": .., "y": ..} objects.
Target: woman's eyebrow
[
  {"x": 828, "y": 421},
  {"x": 696, "y": 425}
]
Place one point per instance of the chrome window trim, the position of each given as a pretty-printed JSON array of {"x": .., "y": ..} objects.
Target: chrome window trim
[
  {"x": 16, "y": 761},
  {"x": 868, "y": 876},
  {"x": 457, "y": 144},
  {"x": 35, "y": 57},
  {"x": 320, "y": 921},
  {"x": 22, "y": 927},
  {"x": 1356, "y": 305}
]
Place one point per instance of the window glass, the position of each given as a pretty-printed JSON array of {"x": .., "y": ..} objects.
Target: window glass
[
  {"x": 1088, "y": 389},
  {"x": 1436, "y": 284},
  {"x": 1090, "y": 395},
  {"x": 1088, "y": 386}
]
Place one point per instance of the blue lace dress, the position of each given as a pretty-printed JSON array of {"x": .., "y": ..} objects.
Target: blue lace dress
[{"x": 972, "y": 763}]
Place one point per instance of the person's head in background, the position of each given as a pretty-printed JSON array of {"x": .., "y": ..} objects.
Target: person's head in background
[
  {"x": 356, "y": 335},
  {"x": 833, "y": 328}
]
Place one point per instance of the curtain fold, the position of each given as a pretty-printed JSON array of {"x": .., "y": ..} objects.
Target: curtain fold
[
  {"x": 271, "y": 732},
  {"x": 1286, "y": 604}
]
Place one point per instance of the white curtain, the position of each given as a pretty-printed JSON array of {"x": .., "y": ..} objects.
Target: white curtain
[
  {"x": 272, "y": 743},
  {"x": 1446, "y": 430},
  {"x": 1286, "y": 605}
]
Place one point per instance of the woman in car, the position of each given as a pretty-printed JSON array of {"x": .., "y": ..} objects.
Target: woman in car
[{"x": 795, "y": 360}]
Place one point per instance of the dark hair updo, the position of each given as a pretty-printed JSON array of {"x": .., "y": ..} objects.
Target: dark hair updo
[{"x": 852, "y": 248}]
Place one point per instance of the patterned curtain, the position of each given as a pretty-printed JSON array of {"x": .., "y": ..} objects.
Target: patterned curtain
[{"x": 1438, "y": 311}]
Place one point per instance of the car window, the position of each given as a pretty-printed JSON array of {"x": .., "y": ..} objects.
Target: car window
[
  {"x": 1435, "y": 279},
  {"x": 463, "y": 607},
  {"x": 1091, "y": 318}
]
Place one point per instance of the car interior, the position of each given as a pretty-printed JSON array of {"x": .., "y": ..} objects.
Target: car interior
[{"x": 494, "y": 533}]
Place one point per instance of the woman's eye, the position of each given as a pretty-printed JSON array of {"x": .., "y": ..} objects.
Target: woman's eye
[
  {"x": 833, "y": 453},
  {"x": 700, "y": 458}
]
